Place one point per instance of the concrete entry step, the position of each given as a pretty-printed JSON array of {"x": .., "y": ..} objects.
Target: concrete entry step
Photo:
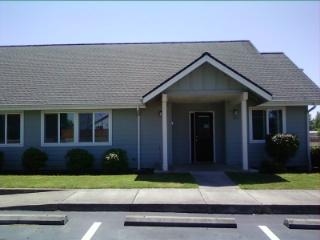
[
  {"x": 293, "y": 223},
  {"x": 170, "y": 221},
  {"x": 214, "y": 179},
  {"x": 40, "y": 219}
]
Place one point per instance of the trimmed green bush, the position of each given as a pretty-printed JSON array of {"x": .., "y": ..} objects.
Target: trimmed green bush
[
  {"x": 79, "y": 160},
  {"x": 115, "y": 161},
  {"x": 1, "y": 160},
  {"x": 34, "y": 159},
  {"x": 315, "y": 157},
  {"x": 280, "y": 148}
]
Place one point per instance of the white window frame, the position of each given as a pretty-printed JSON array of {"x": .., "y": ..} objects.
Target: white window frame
[
  {"x": 284, "y": 121},
  {"x": 6, "y": 144},
  {"x": 76, "y": 129}
]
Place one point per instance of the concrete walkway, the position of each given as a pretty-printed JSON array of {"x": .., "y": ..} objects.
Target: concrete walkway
[
  {"x": 215, "y": 180},
  {"x": 216, "y": 194},
  {"x": 202, "y": 199}
]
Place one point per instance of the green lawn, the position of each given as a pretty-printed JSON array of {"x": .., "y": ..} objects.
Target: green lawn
[
  {"x": 276, "y": 181},
  {"x": 170, "y": 180}
]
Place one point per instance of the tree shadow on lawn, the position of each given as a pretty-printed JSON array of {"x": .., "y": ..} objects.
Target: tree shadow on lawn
[
  {"x": 255, "y": 178},
  {"x": 183, "y": 178}
]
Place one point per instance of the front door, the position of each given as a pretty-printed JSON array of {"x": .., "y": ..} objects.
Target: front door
[{"x": 202, "y": 136}]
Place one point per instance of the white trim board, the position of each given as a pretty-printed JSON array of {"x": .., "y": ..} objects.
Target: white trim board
[
  {"x": 44, "y": 107},
  {"x": 206, "y": 58}
]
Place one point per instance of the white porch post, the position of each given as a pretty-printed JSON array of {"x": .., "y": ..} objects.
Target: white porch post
[
  {"x": 244, "y": 130},
  {"x": 164, "y": 133},
  {"x": 138, "y": 139}
]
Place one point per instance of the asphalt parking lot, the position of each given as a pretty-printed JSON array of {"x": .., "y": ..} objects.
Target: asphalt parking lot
[{"x": 110, "y": 225}]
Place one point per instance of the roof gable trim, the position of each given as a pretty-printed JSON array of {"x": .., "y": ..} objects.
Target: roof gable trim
[{"x": 207, "y": 58}]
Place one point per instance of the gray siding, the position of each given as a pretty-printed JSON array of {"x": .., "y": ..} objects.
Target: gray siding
[
  {"x": 206, "y": 78},
  {"x": 32, "y": 138},
  {"x": 296, "y": 118},
  {"x": 297, "y": 124},
  {"x": 151, "y": 136},
  {"x": 181, "y": 130},
  {"x": 227, "y": 136},
  {"x": 233, "y": 136},
  {"x": 124, "y": 132}
]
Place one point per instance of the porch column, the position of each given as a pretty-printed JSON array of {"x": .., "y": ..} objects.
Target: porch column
[
  {"x": 244, "y": 130},
  {"x": 164, "y": 133}
]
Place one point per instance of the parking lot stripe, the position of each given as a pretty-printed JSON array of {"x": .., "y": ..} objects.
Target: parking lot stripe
[
  {"x": 92, "y": 230},
  {"x": 269, "y": 233}
]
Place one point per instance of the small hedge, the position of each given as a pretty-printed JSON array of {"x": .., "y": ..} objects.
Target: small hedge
[
  {"x": 315, "y": 157},
  {"x": 79, "y": 161},
  {"x": 34, "y": 159},
  {"x": 280, "y": 148},
  {"x": 115, "y": 161},
  {"x": 1, "y": 160}
]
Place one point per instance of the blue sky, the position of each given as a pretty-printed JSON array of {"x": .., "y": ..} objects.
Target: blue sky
[{"x": 290, "y": 27}]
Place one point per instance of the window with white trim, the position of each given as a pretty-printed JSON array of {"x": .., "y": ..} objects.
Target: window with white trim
[
  {"x": 77, "y": 127},
  {"x": 10, "y": 128},
  {"x": 266, "y": 121}
]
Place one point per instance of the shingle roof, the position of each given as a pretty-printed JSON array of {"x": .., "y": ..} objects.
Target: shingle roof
[{"x": 120, "y": 74}]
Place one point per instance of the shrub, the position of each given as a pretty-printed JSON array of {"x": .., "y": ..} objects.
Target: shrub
[
  {"x": 315, "y": 157},
  {"x": 34, "y": 159},
  {"x": 79, "y": 160},
  {"x": 281, "y": 147},
  {"x": 1, "y": 160},
  {"x": 115, "y": 160}
]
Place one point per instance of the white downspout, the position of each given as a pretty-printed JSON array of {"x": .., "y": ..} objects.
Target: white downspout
[
  {"x": 138, "y": 139},
  {"x": 308, "y": 139}
]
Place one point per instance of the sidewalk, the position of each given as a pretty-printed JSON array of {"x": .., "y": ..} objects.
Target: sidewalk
[
  {"x": 216, "y": 194},
  {"x": 201, "y": 200}
]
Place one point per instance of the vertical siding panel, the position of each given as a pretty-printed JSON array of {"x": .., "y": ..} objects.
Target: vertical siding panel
[
  {"x": 233, "y": 136},
  {"x": 151, "y": 145}
]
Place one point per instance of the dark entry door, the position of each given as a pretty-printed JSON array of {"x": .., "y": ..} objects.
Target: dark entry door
[{"x": 202, "y": 136}]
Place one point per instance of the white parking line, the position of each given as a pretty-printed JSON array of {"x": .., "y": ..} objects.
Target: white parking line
[
  {"x": 92, "y": 230},
  {"x": 269, "y": 233}
]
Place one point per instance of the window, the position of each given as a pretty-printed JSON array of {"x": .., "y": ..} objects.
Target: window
[
  {"x": 10, "y": 128},
  {"x": 66, "y": 127},
  {"x": 51, "y": 128},
  {"x": 275, "y": 121},
  {"x": 266, "y": 121},
  {"x": 85, "y": 127},
  {"x": 77, "y": 128},
  {"x": 101, "y": 126},
  {"x": 259, "y": 124}
]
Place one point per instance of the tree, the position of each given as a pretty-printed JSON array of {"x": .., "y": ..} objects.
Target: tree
[{"x": 317, "y": 122}]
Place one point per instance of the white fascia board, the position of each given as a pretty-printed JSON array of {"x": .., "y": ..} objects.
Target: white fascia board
[
  {"x": 218, "y": 65},
  {"x": 65, "y": 107}
]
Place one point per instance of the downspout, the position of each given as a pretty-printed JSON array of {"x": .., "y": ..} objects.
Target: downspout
[
  {"x": 308, "y": 139},
  {"x": 138, "y": 138}
]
